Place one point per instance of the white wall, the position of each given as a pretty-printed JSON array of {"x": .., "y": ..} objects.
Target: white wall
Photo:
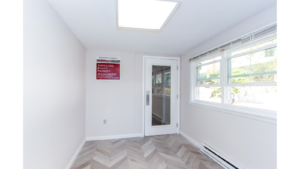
[
  {"x": 119, "y": 102},
  {"x": 54, "y": 89},
  {"x": 248, "y": 142}
]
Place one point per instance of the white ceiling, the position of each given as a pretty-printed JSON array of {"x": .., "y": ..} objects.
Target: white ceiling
[{"x": 195, "y": 21}]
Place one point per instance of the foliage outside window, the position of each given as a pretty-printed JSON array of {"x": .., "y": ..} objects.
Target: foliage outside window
[
  {"x": 244, "y": 76},
  {"x": 208, "y": 80}
]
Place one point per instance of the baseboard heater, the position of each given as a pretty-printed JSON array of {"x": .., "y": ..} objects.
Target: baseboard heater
[{"x": 217, "y": 157}]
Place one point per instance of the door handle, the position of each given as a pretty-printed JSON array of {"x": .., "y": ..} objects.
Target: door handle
[{"x": 147, "y": 98}]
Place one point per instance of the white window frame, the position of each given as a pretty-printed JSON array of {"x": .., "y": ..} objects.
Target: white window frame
[{"x": 256, "y": 113}]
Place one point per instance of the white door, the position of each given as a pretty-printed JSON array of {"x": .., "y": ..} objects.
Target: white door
[{"x": 161, "y": 92}]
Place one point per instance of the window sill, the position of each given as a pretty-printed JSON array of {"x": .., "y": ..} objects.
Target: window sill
[{"x": 254, "y": 113}]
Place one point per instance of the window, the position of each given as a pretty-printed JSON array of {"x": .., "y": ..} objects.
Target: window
[
  {"x": 161, "y": 80},
  {"x": 208, "y": 80},
  {"x": 158, "y": 78},
  {"x": 257, "y": 71},
  {"x": 240, "y": 75},
  {"x": 167, "y": 83},
  {"x": 253, "y": 68}
]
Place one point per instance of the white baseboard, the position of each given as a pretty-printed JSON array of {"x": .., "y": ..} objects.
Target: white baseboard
[
  {"x": 75, "y": 155},
  {"x": 114, "y": 137},
  {"x": 191, "y": 140}
]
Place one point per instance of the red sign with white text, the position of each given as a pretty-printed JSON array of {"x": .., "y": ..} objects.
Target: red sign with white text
[{"x": 107, "y": 71}]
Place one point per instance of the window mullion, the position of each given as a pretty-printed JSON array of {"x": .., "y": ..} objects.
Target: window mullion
[
  {"x": 251, "y": 39},
  {"x": 193, "y": 80},
  {"x": 223, "y": 79}
]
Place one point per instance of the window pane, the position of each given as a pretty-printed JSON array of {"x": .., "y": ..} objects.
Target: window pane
[
  {"x": 161, "y": 105},
  {"x": 264, "y": 44},
  {"x": 240, "y": 51},
  {"x": 167, "y": 79},
  {"x": 239, "y": 69},
  {"x": 153, "y": 81},
  {"x": 168, "y": 91},
  {"x": 264, "y": 78},
  {"x": 157, "y": 90},
  {"x": 245, "y": 79},
  {"x": 210, "y": 60},
  {"x": 264, "y": 97},
  {"x": 208, "y": 74},
  {"x": 274, "y": 41},
  {"x": 212, "y": 94},
  {"x": 264, "y": 66},
  {"x": 158, "y": 78},
  {"x": 256, "y": 67}
]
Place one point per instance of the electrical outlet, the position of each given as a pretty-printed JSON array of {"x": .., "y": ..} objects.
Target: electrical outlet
[{"x": 104, "y": 121}]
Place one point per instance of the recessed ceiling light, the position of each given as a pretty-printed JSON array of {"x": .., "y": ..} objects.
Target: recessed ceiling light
[{"x": 145, "y": 14}]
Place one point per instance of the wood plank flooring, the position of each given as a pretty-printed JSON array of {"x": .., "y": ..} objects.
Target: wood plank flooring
[{"x": 153, "y": 152}]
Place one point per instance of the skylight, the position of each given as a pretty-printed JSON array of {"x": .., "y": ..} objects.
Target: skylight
[{"x": 145, "y": 14}]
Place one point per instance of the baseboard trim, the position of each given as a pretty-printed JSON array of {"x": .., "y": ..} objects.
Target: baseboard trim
[
  {"x": 75, "y": 155},
  {"x": 201, "y": 147},
  {"x": 190, "y": 139},
  {"x": 114, "y": 137}
]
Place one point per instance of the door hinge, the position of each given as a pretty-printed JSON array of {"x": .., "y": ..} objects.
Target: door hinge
[
  {"x": 177, "y": 125},
  {"x": 177, "y": 67},
  {"x": 177, "y": 96}
]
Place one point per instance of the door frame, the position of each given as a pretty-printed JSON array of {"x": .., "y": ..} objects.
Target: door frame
[{"x": 143, "y": 90}]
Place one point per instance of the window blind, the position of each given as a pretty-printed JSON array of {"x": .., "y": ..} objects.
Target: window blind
[{"x": 240, "y": 41}]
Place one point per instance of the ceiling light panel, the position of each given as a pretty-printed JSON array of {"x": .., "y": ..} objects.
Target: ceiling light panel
[{"x": 145, "y": 14}]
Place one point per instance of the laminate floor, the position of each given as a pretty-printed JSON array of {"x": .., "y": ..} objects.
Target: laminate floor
[{"x": 153, "y": 152}]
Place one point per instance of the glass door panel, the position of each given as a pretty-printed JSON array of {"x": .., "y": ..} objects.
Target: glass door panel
[{"x": 161, "y": 92}]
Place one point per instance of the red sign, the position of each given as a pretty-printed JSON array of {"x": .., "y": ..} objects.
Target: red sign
[{"x": 107, "y": 71}]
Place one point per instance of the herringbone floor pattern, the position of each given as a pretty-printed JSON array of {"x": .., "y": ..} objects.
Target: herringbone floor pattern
[{"x": 155, "y": 152}]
